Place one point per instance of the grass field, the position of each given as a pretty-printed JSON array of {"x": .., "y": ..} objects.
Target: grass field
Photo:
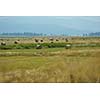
[
  {"x": 50, "y": 65},
  {"x": 22, "y": 62}
]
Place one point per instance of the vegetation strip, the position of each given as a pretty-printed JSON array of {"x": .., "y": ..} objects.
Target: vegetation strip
[{"x": 46, "y": 45}]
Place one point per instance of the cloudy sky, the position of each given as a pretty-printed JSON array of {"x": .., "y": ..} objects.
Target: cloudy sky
[{"x": 50, "y": 24}]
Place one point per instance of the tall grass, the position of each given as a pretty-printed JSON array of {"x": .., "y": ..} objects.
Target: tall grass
[{"x": 61, "y": 66}]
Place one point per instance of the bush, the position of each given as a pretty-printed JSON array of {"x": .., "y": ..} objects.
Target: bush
[{"x": 6, "y": 47}]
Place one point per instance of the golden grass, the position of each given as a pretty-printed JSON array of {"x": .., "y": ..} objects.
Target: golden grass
[
  {"x": 75, "y": 65},
  {"x": 46, "y": 39}
]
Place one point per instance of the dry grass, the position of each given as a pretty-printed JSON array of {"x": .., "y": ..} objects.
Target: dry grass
[
  {"x": 76, "y": 65},
  {"x": 46, "y": 39}
]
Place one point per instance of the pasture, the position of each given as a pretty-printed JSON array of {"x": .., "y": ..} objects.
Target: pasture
[{"x": 22, "y": 62}]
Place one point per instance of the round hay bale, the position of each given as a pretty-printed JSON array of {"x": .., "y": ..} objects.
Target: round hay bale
[
  {"x": 68, "y": 46},
  {"x": 16, "y": 42},
  {"x": 57, "y": 40},
  {"x": 66, "y": 40},
  {"x": 51, "y": 39},
  {"x": 3, "y": 43},
  {"x": 38, "y": 46},
  {"x": 36, "y": 40},
  {"x": 41, "y": 40}
]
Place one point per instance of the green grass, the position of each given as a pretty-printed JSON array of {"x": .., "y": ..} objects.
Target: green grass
[
  {"x": 80, "y": 51},
  {"x": 32, "y": 45},
  {"x": 46, "y": 45}
]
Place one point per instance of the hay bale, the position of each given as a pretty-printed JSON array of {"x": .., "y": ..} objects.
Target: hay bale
[
  {"x": 3, "y": 43},
  {"x": 66, "y": 40},
  {"x": 38, "y": 46},
  {"x": 16, "y": 42},
  {"x": 41, "y": 40},
  {"x": 36, "y": 40},
  {"x": 57, "y": 40},
  {"x": 51, "y": 39},
  {"x": 68, "y": 46}
]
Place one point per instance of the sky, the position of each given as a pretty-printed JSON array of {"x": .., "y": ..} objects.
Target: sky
[{"x": 71, "y": 25}]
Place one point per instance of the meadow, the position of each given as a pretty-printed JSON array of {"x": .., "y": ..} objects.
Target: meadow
[{"x": 53, "y": 63}]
